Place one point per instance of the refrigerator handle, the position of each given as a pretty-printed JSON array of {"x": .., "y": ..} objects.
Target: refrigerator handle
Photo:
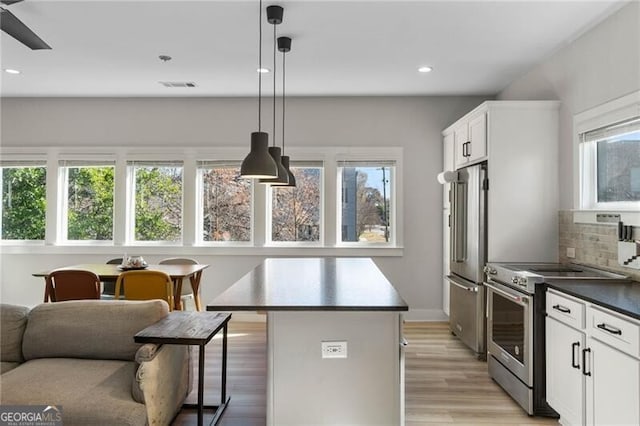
[{"x": 459, "y": 228}]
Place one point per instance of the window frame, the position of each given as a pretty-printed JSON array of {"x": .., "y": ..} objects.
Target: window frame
[
  {"x": 585, "y": 158},
  {"x": 327, "y": 155}
]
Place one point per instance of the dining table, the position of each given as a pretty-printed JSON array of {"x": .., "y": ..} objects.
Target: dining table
[{"x": 178, "y": 273}]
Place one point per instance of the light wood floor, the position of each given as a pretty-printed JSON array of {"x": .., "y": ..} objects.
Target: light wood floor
[{"x": 445, "y": 384}]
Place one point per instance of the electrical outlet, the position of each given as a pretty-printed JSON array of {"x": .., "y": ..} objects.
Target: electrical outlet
[
  {"x": 571, "y": 252},
  {"x": 334, "y": 349}
]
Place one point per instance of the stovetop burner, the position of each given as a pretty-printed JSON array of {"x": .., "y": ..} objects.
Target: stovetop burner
[{"x": 525, "y": 276}]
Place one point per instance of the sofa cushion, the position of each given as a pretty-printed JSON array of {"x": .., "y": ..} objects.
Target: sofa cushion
[
  {"x": 13, "y": 320},
  {"x": 91, "y": 392},
  {"x": 92, "y": 329},
  {"x": 6, "y": 366}
]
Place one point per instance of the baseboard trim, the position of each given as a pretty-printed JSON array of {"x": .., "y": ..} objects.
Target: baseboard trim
[{"x": 429, "y": 315}]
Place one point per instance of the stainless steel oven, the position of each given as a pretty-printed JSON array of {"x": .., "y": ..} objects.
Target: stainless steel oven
[
  {"x": 510, "y": 329},
  {"x": 515, "y": 326}
]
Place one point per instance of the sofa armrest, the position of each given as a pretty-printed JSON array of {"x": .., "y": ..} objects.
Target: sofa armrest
[
  {"x": 163, "y": 383},
  {"x": 147, "y": 352}
]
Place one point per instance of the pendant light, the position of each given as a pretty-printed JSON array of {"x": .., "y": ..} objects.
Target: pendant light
[
  {"x": 274, "y": 17},
  {"x": 258, "y": 163},
  {"x": 284, "y": 45}
]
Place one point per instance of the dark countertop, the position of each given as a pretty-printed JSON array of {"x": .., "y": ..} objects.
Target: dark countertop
[
  {"x": 622, "y": 296},
  {"x": 311, "y": 284}
]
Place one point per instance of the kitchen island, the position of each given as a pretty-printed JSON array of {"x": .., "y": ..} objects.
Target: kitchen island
[{"x": 334, "y": 328}]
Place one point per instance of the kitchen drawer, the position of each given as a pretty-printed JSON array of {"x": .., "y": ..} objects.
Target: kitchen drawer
[
  {"x": 623, "y": 334},
  {"x": 566, "y": 309}
]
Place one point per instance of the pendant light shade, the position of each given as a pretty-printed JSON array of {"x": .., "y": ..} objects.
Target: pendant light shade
[
  {"x": 285, "y": 164},
  {"x": 274, "y": 17},
  {"x": 258, "y": 163}
]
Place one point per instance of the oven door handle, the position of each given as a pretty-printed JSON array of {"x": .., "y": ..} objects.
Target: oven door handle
[{"x": 520, "y": 300}]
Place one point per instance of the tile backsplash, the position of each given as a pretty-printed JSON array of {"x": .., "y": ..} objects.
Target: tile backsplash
[{"x": 596, "y": 245}]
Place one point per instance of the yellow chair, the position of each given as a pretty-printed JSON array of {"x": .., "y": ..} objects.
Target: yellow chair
[
  {"x": 186, "y": 289},
  {"x": 145, "y": 285},
  {"x": 73, "y": 284}
]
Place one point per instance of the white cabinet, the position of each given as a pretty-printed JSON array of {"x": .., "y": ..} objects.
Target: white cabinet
[
  {"x": 565, "y": 382},
  {"x": 470, "y": 136},
  {"x": 593, "y": 369},
  {"x": 519, "y": 142},
  {"x": 613, "y": 388}
]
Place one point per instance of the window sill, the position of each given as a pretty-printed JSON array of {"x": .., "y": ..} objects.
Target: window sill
[
  {"x": 291, "y": 251},
  {"x": 590, "y": 217}
]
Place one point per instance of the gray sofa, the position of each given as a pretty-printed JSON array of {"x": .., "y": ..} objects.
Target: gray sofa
[{"x": 80, "y": 355}]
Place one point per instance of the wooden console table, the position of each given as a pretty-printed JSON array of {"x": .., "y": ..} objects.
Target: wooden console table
[{"x": 193, "y": 328}]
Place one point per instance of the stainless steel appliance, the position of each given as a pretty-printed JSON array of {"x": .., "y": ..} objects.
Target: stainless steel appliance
[
  {"x": 515, "y": 326},
  {"x": 468, "y": 256}
]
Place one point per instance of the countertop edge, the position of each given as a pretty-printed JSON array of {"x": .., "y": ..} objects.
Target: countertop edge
[
  {"x": 309, "y": 308},
  {"x": 599, "y": 302}
]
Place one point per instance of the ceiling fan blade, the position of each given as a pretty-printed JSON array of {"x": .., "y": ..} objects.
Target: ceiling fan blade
[
  {"x": 18, "y": 30},
  {"x": 9, "y": 2}
]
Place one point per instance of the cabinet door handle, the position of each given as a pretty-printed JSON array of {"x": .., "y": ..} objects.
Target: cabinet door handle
[
  {"x": 469, "y": 149},
  {"x": 609, "y": 328},
  {"x": 573, "y": 354},
  {"x": 562, "y": 309},
  {"x": 584, "y": 362}
]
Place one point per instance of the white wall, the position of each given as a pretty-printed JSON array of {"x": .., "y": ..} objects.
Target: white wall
[
  {"x": 413, "y": 123},
  {"x": 601, "y": 65}
]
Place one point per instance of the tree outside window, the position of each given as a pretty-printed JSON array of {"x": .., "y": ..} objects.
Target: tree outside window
[
  {"x": 89, "y": 203},
  {"x": 366, "y": 202},
  {"x": 295, "y": 213},
  {"x": 226, "y": 203},
  {"x": 23, "y": 202},
  {"x": 158, "y": 201}
]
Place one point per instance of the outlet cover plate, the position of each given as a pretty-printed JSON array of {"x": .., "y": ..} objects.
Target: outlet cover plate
[{"x": 334, "y": 349}]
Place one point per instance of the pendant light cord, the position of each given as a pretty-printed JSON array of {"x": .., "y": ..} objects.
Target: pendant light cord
[
  {"x": 274, "y": 84},
  {"x": 260, "y": 69},
  {"x": 284, "y": 54}
]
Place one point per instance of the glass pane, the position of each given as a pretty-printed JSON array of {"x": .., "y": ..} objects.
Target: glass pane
[
  {"x": 366, "y": 195},
  {"x": 23, "y": 203},
  {"x": 226, "y": 205},
  {"x": 158, "y": 199},
  {"x": 296, "y": 210},
  {"x": 508, "y": 326},
  {"x": 90, "y": 203},
  {"x": 619, "y": 168}
]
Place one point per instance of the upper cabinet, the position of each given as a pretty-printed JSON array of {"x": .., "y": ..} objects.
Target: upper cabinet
[
  {"x": 519, "y": 142},
  {"x": 470, "y": 139}
]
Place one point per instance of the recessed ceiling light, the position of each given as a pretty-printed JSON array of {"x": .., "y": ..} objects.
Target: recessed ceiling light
[
  {"x": 10, "y": 71},
  {"x": 425, "y": 69},
  {"x": 263, "y": 70}
]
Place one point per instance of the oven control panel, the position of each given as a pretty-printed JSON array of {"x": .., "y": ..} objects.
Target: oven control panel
[{"x": 519, "y": 281}]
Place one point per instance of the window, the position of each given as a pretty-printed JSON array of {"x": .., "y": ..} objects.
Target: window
[
  {"x": 87, "y": 209},
  {"x": 225, "y": 202},
  {"x": 296, "y": 211},
  {"x": 366, "y": 212},
  {"x": 156, "y": 196},
  {"x": 23, "y": 201},
  {"x": 610, "y": 160}
]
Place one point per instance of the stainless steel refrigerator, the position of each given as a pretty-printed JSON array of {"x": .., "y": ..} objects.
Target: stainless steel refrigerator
[{"x": 468, "y": 248}]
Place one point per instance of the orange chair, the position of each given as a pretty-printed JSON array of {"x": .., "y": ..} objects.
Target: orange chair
[
  {"x": 73, "y": 284},
  {"x": 145, "y": 285},
  {"x": 186, "y": 289}
]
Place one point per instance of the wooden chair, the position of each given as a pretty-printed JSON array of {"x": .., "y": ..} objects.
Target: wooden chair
[
  {"x": 73, "y": 284},
  {"x": 109, "y": 284},
  {"x": 186, "y": 291},
  {"x": 145, "y": 285}
]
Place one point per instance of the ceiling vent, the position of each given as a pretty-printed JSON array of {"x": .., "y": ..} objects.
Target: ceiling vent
[{"x": 177, "y": 84}]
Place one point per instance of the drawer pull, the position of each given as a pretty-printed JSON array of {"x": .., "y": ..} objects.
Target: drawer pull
[
  {"x": 609, "y": 329},
  {"x": 584, "y": 362},
  {"x": 573, "y": 354},
  {"x": 562, "y": 309}
]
